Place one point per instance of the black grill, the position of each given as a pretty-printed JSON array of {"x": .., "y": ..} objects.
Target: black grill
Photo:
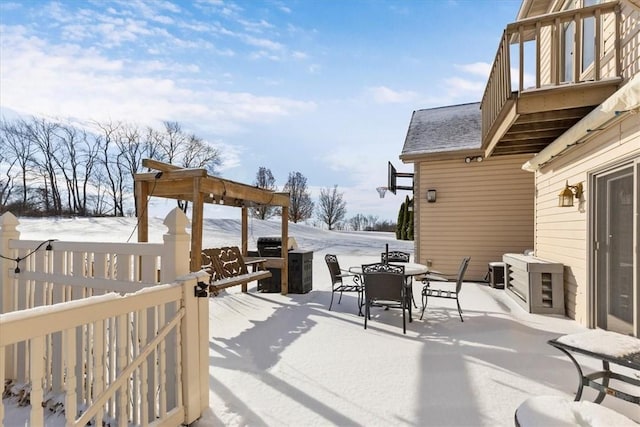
[
  {"x": 270, "y": 246},
  {"x": 300, "y": 264}
]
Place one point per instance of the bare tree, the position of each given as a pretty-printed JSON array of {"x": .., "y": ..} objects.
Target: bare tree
[
  {"x": 99, "y": 194},
  {"x": 264, "y": 179},
  {"x": 111, "y": 162},
  {"x": 152, "y": 143},
  {"x": 17, "y": 149},
  {"x": 173, "y": 143},
  {"x": 75, "y": 160},
  {"x": 43, "y": 134},
  {"x": 372, "y": 222},
  {"x": 331, "y": 207},
  {"x": 62, "y": 168},
  {"x": 358, "y": 222},
  {"x": 197, "y": 153},
  {"x": 131, "y": 149},
  {"x": 300, "y": 204},
  {"x": 6, "y": 183}
]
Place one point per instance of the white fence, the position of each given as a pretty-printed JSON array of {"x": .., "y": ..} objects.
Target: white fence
[{"x": 91, "y": 326}]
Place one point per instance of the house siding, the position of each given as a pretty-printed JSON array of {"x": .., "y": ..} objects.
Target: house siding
[
  {"x": 630, "y": 43},
  {"x": 483, "y": 210},
  {"x": 562, "y": 234},
  {"x": 545, "y": 63}
]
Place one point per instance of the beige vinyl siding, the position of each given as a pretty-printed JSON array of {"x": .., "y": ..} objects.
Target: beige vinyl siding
[
  {"x": 630, "y": 44},
  {"x": 630, "y": 40},
  {"x": 562, "y": 233},
  {"x": 608, "y": 68},
  {"x": 483, "y": 210},
  {"x": 545, "y": 56}
]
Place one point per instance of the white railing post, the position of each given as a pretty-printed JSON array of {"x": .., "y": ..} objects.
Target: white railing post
[
  {"x": 177, "y": 243},
  {"x": 8, "y": 231},
  {"x": 174, "y": 264},
  {"x": 203, "y": 343},
  {"x": 194, "y": 400}
]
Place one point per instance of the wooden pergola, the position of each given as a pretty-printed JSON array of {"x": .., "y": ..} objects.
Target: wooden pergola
[{"x": 197, "y": 187}]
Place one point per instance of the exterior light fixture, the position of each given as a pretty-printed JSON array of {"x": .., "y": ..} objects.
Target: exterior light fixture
[
  {"x": 565, "y": 198},
  {"x": 431, "y": 196},
  {"x": 473, "y": 159}
]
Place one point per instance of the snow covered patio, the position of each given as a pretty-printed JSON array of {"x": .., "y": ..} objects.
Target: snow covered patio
[{"x": 287, "y": 360}]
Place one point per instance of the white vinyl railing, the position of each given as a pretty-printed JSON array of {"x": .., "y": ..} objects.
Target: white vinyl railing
[{"x": 91, "y": 326}]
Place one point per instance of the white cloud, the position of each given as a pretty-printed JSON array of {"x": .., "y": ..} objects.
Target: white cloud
[
  {"x": 230, "y": 155},
  {"x": 262, "y": 43},
  {"x": 66, "y": 80},
  {"x": 255, "y": 26},
  {"x": 173, "y": 67},
  {"x": 459, "y": 87},
  {"x": 385, "y": 95},
  {"x": 480, "y": 69},
  {"x": 9, "y": 5}
]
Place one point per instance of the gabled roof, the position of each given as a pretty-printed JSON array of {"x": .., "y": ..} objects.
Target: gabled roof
[
  {"x": 443, "y": 129},
  {"x": 530, "y": 8}
]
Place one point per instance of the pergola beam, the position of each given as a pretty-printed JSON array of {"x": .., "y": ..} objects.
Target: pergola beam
[{"x": 159, "y": 166}]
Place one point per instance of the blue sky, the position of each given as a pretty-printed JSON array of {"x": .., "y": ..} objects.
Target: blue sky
[{"x": 325, "y": 88}]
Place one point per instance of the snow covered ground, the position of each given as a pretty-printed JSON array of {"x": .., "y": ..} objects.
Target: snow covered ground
[{"x": 286, "y": 360}]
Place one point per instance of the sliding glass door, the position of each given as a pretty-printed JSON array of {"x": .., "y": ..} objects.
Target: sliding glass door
[{"x": 616, "y": 302}]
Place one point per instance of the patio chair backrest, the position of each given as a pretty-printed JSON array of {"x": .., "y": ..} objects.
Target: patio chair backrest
[
  {"x": 383, "y": 281},
  {"x": 395, "y": 256},
  {"x": 334, "y": 268},
  {"x": 463, "y": 268}
]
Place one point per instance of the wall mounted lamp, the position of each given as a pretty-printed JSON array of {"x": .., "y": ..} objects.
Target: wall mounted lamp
[
  {"x": 473, "y": 159},
  {"x": 431, "y": 196},
  {"x": 565, "y": 198}
]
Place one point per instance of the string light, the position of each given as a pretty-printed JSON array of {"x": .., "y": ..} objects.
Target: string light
[{"x": 18, "y": 259}]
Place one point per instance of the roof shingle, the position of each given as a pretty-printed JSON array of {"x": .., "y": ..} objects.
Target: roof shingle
[{"x": 443, "y": 129}]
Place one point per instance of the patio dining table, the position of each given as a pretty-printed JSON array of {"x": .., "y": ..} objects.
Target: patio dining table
[
  {"x": 609, "y": 348},
  {"x": 410, "y": 269}
]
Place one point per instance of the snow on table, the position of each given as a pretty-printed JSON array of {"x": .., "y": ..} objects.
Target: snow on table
[{"x": 602, "y": 342}]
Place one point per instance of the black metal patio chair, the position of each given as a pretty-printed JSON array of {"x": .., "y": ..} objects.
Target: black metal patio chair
[
  {"x": 395, "y": 256},
  {"x": 343, "y": 281},
  {"x": 385, "y": 286},
  {"x": 399, "y": 256},
  {"x": 449, "y": 286}
]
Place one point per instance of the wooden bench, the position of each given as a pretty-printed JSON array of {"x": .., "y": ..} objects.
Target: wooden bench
[{"x": 228, "y": 267}]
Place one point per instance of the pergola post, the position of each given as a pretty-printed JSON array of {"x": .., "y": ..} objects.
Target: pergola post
[
  {"x": 197, "y": 214},
  {"x": 284, "y": 284},
  {"x": 142, "y": 194},
  {"x": 245, "y": 227}
]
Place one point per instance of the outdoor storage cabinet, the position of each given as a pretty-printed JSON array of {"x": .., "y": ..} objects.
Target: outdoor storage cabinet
[
  {"x": 537, "y": 285},
  {"x": 496, "y": 274},
  {"x": 300, "y": 271}
]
